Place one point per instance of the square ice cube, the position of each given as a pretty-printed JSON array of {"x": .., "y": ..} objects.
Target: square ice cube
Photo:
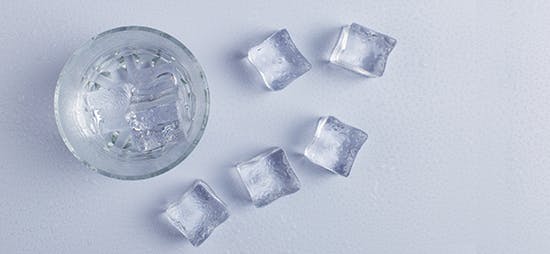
[
  {"x": 156, "y": 138},
  {"x": 278, "y": 60},
  {"x": 362, "y": 50},
  {"x": 198, "y": 212},
  {"x": 335, "y": 145},
  {"x": 268, "y": 177},
  {"x": 163, "y": 85},
  {"x": 153, "y": 116},
  {"x": 107, "y": 104}
]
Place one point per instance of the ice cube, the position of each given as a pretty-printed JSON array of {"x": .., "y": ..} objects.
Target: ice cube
[
  {"x": 335, "y": 145},
  {"x": 161, "y": 136},
  {"x": 163, "y": 85},
  {"x": 268, "y": 177},
  {"x": 108, "y": 106},
  {"x": 197, "y": 213},
  {"x": 278, "y": 60},
  {"x": 362, "y": 50},
  {"x": 148, "y": 115}
]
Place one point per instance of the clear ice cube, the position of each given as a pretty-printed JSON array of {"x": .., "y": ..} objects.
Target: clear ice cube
[
  {"x": 278, "y": 60},
  {"x": 154, "y": 126},
  {"x": 362, "y": 50},
  {"x": 151, "y": 116},
  {"x": 197, "y": 213},
  {"x": 164, "y": 85},
  {"x": 268, "y": 177},
  {"x": 107, "y": 105},
  {"x": 155, "y": 138},
  {"x": 335, "y": 145}
]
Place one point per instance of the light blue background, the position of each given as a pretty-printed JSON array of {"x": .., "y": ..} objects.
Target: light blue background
[{"x": 457, "y": 160}]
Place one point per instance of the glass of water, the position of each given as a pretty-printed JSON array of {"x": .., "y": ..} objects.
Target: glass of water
[{"x": 131, "y": 103}]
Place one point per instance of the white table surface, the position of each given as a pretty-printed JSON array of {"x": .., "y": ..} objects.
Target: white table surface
[{"x": 457, "y": 159}]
